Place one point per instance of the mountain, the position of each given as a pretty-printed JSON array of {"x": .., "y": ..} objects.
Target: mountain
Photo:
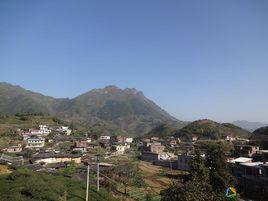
[
  {"x": 250, "y": 126},
  {"x": 167, "y": 129},
  {"x": 260, "y": 136},
  {"x": 208, "y": 129},
  {"x": 15, "y": 99},
  {"x": 127, "y": 109}
]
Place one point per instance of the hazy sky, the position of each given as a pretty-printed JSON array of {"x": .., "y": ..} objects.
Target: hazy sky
[{"x": 196, "y": 59}]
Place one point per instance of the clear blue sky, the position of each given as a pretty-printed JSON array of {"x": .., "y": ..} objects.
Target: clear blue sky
[{"x": 196, "y": 59}]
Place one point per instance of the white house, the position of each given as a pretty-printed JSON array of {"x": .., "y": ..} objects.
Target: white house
[
  {"x": 36, "y": 132},
  {"x": 120, "y": 149},
  {"x": 229, "y": 138},
  {"x": 105, "y": 137},
  {"x": 129, "y": 140},
  {"x": 35, "y": 142},
  {"x": 44, "y": 129},
  {"x": 65, "y": 129}
]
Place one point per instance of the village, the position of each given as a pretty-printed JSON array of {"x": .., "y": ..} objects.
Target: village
[{"x": 41, "y": 151}]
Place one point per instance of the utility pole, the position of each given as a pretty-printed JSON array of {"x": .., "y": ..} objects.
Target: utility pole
[
  {"x": 98, "y": 173},
  {"x": 87, "y": 181}
]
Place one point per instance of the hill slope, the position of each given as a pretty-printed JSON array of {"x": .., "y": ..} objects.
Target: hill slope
[
  {"x": 127, "y": 108},
  {"x": 166, "y": 129},
  {"x": 261, "y": 134},
  {"x": 208, "y": 129},
  {"x": 15, "y": 99}
]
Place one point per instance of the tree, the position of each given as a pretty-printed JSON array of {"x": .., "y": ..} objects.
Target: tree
[
  {"x": 128, "y": 175},
  {"x": 220, "y": 178},
  {"x": 209, "y": 179}
]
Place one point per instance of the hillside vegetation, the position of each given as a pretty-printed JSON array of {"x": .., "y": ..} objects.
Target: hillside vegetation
[
  {"x": 166, "y": 129},
  {"x": 261, "y": 137},
  {"x": 25, "y": 185},
  {"x": 208, "y": 129}
]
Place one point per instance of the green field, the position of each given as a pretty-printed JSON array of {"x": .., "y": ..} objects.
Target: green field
[{"x": 25, "y": 185}]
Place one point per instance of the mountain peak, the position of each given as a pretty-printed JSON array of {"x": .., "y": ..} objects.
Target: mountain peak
[{"x": 111, "y": 87}]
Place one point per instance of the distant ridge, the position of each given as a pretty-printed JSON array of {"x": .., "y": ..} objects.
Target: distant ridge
[
  {"x": 250, "y": 126},
  {"x": 127, "y": 108}
]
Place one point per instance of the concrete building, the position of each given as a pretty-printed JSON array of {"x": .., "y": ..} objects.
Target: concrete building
[
  {"x": 119, "y": 149},
  {"x": 35, "y": 142},
  {"x": 129, "y": 140},
  {"x": 48, "y": 158},
  {"x": 150, "y": 156},
  {"x": 14, "y": 149},
  {"x": 105, "y": 137},
  {"x": 252, "y": 177},
  {"x": 184, "y": 162}
]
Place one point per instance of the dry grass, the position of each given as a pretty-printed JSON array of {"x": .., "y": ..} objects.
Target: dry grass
[
  {"x": 151, "y": 176},
  {"x": 4, "y": 169}
]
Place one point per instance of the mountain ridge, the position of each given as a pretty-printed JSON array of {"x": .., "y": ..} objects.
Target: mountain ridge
[{"x": 127, "y": 108}]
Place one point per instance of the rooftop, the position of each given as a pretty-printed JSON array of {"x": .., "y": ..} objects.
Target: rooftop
[{"x": 241, "y": 160}]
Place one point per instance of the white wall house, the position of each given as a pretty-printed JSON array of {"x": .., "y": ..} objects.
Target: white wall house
[
  {"x": 36, "y": 132},
  {"x": 65, "y": 129},
  {"x": 44, "y": 129},
  {"x": 129, "y": 140},
  {"x": 105, "y": 137},
  {"x": 35, "y": 142},
  {"x": 120, "y": 149}
]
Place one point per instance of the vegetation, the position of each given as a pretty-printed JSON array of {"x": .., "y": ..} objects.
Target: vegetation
[
  {"x": 261, "y": 131},
  {"x": 208, "y": 129},
  {"x": 260, "y": 136},
  {"x": 208, "y": 182},
  {"x": 126, "y": 174},
  {"x": 23, "y": 184},
  {"x": 166, "y": 129}
]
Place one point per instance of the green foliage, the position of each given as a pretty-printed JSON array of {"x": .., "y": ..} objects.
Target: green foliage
[
  {"x": 220, "y": 178},
  {"x": 71, "y": 169},
  {"x": 208, "y": 182},
  {"x": 260, "y": 136},
  {"x": 212, "y": 130},
  {"x": 261, "y": 131},
  {"x": 126, "y": 174},
  {"x": 25, "y": 185},
  {"x": 28, "y": 153},
  {"x": 166, "y": 129},
  {"x": 65, "y": 146}
]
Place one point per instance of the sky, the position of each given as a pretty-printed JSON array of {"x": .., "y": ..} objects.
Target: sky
[{"x": 196, "y": 59}]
